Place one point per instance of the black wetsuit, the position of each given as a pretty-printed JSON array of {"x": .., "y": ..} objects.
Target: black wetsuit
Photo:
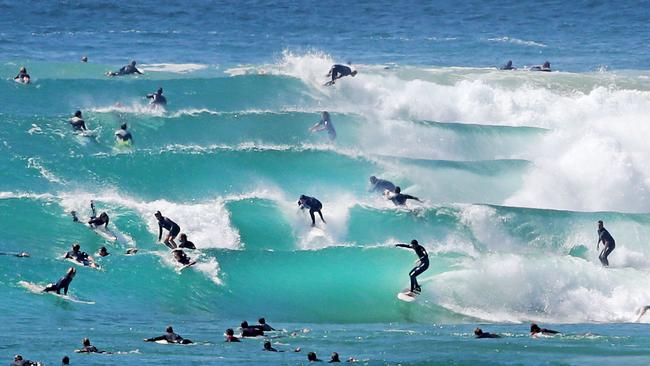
[
  {"x": 170, "y": 337},
  {"x": 251, "y": 332},
  {"x": 400, "y": 199},
  {"x": 98, "y": 221},
  {"x": 123, "y": 135},
  {"x": 264, "y": 327},
  {"x": 339, "y": 71},
  {"x": 169, "y": 225},
  {"x": 21, "y": 76},
  {"x": 79, "y": 256},
  {"x": 313, "y": 205},
  {"x": 187, "y": 244},
  {"x": 23, "y": 363},
  {"x": 382, "y": 185},
  {"x": 608, "y": 241},
  {"x": 183, "y": 259},
  {"x": 421, "y": 267},
  {"x": 487, "y": 335},
  {"x": 126, "y": 70},
  {"x": 78, "y": 124},
  {"x": 90, "y": 349},
  {"x": 157, "y": 99},
  {"x": 62, "y": 284}
]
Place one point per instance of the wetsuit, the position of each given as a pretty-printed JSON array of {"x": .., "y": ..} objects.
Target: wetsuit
[
  {"x": 170, "y": 337},
  {"x": 339, "y": 71},
  {"x": 126, "y": 70},
  {"x": 507, "y": 66},
  {"x": 421, "y": 267},
  {"x": 186, "y": 244},
  {"x": 23, "y": 363},
  {"x": 251, "y": 332},
  {"x": 78, "y": 124},
  {"x": 232, "y": 338},
  {"x": 183, "y": 259},
  {"x": 62, "y": 284},
  {"x": 169, "y": 225},
  {"x": 400, "y": 199},
  {"x": 264, "y": 327},
  {"x": 89, "y": 349},
  {"x": 98, "y": 221},
  {"x": 79, "y": 256},
  {"x": 486, "y": 335},
  {"x": 381, "y": 185},
  {"x": 608, "y": 241},
  {"x": 123, "y": 135},
  {"x": 326, "y": 122},
  {"x": 313, "y": 205},
  {"x": 157, "y": 98}
]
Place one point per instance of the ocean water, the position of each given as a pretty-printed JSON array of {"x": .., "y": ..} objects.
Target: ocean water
[{"x": 513, "y": 168}]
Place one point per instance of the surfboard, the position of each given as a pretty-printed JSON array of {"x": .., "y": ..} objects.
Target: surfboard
[
  {"x": 407, "y": 295},
  {"x": 87, "y": 133},
  {"x": 91, "y": 264},
  {"x": 103, "y": 232},
  {"x": 22, "y": 81},
  {"x": 329, "y": 83},
  {"x": 182, "y": 268},
  {"x": 38, "y": 289}
]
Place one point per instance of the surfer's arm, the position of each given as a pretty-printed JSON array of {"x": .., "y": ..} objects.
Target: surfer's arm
[
  {"x": 138, "y": 71},
  {"x": 155, "y": 339},
  {"x": 408, "y": 196},
  {"x": 159, "y": 231},
  {"x": 404, "y": 246}
]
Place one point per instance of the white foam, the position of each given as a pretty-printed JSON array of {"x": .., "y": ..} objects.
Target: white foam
[
  {"x": 174, "y": 68},
  {"x": 517, "y": 41}
]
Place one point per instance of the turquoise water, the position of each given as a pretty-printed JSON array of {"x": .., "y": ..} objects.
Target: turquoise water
[{"x": 513, "y": 168}]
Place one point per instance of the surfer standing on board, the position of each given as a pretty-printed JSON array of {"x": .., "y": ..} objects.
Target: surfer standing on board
[
  {"x": 423, "y": 263},
  {"x": 313, "y": 205},
  {"x": 172, "y": 227},
  {"x": 338, "y": 71},
  {"x": 608, "y": 243}
]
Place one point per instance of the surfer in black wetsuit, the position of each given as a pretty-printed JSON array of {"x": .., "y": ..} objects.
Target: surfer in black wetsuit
[
  {"x": 122, "y": 135},
  {"x": 535, "y": 329},
  {"x": 19, "y": 255},
  {"x": 268, "y": 347},
  {"x": 184, "y": 243},
  {"x": 399, "y": 199},
  {"x": 608, "y": 243},
  {"x": 88, "y": 348},
  {"x": 63, "y": 283},
  {"x": 248, "y": 331},
  {"x": 546, "y": 66},
  {"x": 263, "y": 326},
  {"x": 181, "y": 257},
  {"x": 157, "y": 98},
  {"x": 325, "y": 124},
  {"x": 479, "y": 333},
  {"x": 19, "y": 361},
  {"x": 313, "y": 205},
  {"x": 95, "y": 221},
  {"x": 508, "y": 66},
  {"x": 23, "y": 76},
  {"x": 169, "y": 337},
  {"x": 125, "y": 70},
  {"x": 230, "y": 336},
  {"x": 79, "y": 256},
  {"x": 77, "y": 122},
  {"x": 338, "y": 71},
  {"x": 103, "y": 252},
  {"x": 422, "y": 265},
  {"x": 381, "y": 185},
  {"x": 172, "y": 228}
]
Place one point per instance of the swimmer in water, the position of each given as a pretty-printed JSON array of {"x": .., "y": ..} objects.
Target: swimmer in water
[
  {"x": 479, "y": 333},
  {"x": 169, "y": 337},
  {"x": 23, "y": 76},
  {"x": 230, "y": 336},
  {"x": 88, "y": 348},
  {"x": 535, "y": 330},
  {"x": 63, "y": 283},
  {"x": 184, "y": 243},
  {"x": 399, "y": 199},
  {"x": 157, "y": 98},
  {"x": 123, "y": 135},
  {"x": 381, "y": 185},
  {"x": 334, "y": 358},
  {"x": 84, "y": 59},
  {"x": 508, "y": 66},
  {"x": 338, "y": 71},
  {"x": 608, "y": 244},
  {"x": 546, "y": 66},
  {"x": 311, "y": 357},
  {"x": 103, "y": 252},
  {"x": 77, "y": 122},
  {"x": 19, "y": 361},
  {"x": 125, "y": 70},
  {"x": 313, "y": 205},
  {"x": 268, "y": 347},
  {"x": 325, "y": 124},
  {"x": 65, "y": 360},
  {"x": 169, "y": 225},
  {"x": 422, "y": 265}
]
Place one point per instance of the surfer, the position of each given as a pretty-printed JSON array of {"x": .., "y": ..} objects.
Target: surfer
[
  {"x": 19, "y": 361},
  {"x": 63, "y": 282},
  {"x": 325, "y": 124},
  {"x": 641, "y": 311},
  {"x": 184, "y": 243},
  {"x": 182, "y": 258},
  {"x": 608, "y": 243},
  {"x": 157, "y": 98},
  {"x": 338, "y": 71},
  {"x": 422, "y": 265},
  {"x": 169, "y": 337},
  {"x": 125, "y": 70},
  {"x": 230, "y": 336},
  {"x": 399, "y": 199},
  {"x": 22, "y": 76},
  {"x": 103, "y": 252},
  {"x": 479, "y": 333},
  {"x": 95, "y": 221},
  {"x": 311, "y": 357},
  {"x": 247, "y": 331},
  {"x": 535, "y": 329},
  {"x": 123, "y": 135},
  {"x": 313, "y": 205},
  {"x": 84, "y": 59},
  {"x": 334, "y": 358},
  {"x": 77, "y": 122},
  {"x": 81, "y": 257},
  {"x": 263, "y": 326},
  {"x": 88, "y": 348},
  {"x": 65, "y": 360},
  {"x": 169, "y": 225},
  {"x": 268, "y": 347},
  {"x": 381, "y": 185},
  {"x": 546, "y": 66},
  {"x": 508, "y": 66}
]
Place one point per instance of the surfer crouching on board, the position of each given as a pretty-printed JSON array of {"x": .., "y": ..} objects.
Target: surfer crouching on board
[
  {"x": 172, "y": 228},
  {"x": 338, "y": 71},
  {"x": 381, "y": 185},
  {"x": 608, "y": 243},
  {"x": 157, "y": 98},
  {"x": 313, "y": 205},
  {"x": 423, "y": 263},
  {"x": 399, "y": 198},
  {"x": 77, "y": 122},
  {"x": 169, "y": 337},
  {"x": 123, "y": 135},
  {"x": 63, "y": 283}
]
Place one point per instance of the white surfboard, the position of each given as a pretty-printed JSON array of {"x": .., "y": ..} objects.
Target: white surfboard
[
  {"x": 103, "y": 232},
  {"x": 407, "y": 295},
  {"x": 38, "y": 289},
  {"x": 91, "y": 264},
  {"x": 88, "y": 133}
]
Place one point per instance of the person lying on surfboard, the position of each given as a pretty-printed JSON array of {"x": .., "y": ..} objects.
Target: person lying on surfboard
[
  {"x": 82, "y": 257},
  {"x": 182, "y": 258},
  {"x": 125, "y": 70},
  {"x": 77, "y": 122},
  {"x": 423, "y": 263},
  {"x": 169, "y": 337},
  {"x": 63, "y": 283},
  {"x": 95, "y": 221}
]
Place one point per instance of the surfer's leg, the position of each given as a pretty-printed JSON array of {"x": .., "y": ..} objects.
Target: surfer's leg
[
  {"x": 321, "y": 216},
  {"x": 313, "y": 218}
]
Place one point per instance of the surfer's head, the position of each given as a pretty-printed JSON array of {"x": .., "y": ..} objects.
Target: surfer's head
[
  {"x": 478, "y": 331},
  {"x": 86, "y": 342},
  {"x": 65, "y": 360},
  {"x": 169, "y": 329},
  {"x": 600, "y": 224},
  {"x": 546, "y": 65},
  {"x": 534, "y": 328},
  {"x": 75, "y": 246},
  {"x": 159, "y": 91},
  {"x": 103, "y": 252},
  {"x": 123, "y": 126},
  {"x": 261, "y": 320},
  {"x": 311, "y": 357},
  {"x": 77, "y": 114},
  {"x": 373, "y": 179},
  {"x": 244, "y": 324},
  {"x": 158, "y": 215},
  {"x": 132, "y": 62},
  {"x": 414, "y": 242},
  {"x": 230, "y": 332},
  {"x": 267, "y": 345},
  {"x": 183, "y": 237},
  {"x": 335, "y": 357},
  {"x": 398, "y": 190},
  {"x": 18, "y": 358}
]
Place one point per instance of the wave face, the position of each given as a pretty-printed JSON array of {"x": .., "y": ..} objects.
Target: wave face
[{"x": 513, "y": 169}]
